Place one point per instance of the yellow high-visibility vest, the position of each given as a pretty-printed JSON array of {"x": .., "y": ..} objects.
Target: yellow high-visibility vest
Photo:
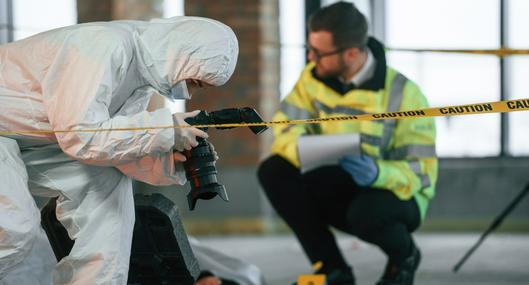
[{"x": 404, "y": 150}]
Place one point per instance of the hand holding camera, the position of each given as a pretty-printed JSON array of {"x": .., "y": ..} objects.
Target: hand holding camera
[
  {"x": 186, "y": 138},
  {"x": 200, "y": 159}
]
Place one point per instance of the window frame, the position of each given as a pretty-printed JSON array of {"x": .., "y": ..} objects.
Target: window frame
[
  {"x": 378, "y": 17},
  {"x": 6, "y": 21}
]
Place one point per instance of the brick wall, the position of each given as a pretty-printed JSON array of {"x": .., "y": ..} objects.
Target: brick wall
[
  {"x": 106, "y": 10},
  {"x": 94, "y": 10},
  {"x": 137, "y": 9},
  {"x": 255, "y": 82}
]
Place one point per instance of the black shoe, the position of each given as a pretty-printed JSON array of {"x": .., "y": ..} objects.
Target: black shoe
[
  {"x": 403, "y": 274},
  {"x": 338, "y": 277},
  {"x": 341, "y": 277}
]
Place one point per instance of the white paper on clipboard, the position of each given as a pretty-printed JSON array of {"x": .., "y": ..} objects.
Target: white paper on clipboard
[{"x": 319, "y": 150}]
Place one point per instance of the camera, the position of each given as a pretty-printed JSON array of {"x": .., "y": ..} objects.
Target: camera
[{"x": 200, "y": 164}]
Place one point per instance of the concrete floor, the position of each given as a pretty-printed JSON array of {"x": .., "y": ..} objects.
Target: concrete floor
[{"x": 503, "y": 259}]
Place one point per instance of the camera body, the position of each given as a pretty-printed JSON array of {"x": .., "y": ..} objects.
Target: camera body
[{"x": 200, "y": 164}]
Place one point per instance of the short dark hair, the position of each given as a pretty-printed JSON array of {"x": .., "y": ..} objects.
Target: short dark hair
[{"x": 344, "y": 21}]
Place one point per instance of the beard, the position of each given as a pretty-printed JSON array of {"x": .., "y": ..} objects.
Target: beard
[{"x": 337, "y": 71}]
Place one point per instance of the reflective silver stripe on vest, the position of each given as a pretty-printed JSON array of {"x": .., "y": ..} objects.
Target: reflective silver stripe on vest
[
  {"x": 395, "y": 99},
  {"x": 313, "y": 129},
  {"x": 338, "y": 109},
  {"x": 294, "y": 112},
  {"x": 415, "y": 166},
  {"x": 412, "y": 151},
  {"x": 369, "y": 139},
  {"x": 425, "y": 181}
]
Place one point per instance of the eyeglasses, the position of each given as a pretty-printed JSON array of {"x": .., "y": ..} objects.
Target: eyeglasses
[{"x": 319, "y": 55}]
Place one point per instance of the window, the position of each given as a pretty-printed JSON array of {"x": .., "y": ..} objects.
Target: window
[
  {"x": 292, "y": 43},
  {"x": 363, "y": 5},
  {"x": 34, "y": 16},
  {"x": 518, "y": 73},
  {"x": 451, "y": 79},
  {"x": 173, "y": 8}
]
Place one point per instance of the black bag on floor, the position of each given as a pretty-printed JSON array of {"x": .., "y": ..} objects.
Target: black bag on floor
[{"x": 161, "y": 253}]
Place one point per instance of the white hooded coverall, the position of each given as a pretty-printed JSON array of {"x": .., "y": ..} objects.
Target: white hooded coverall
[{"x": 91, "y": 76}]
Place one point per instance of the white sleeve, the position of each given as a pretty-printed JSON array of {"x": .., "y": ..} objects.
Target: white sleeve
[
  {"x": 152, "y": 169},
  {"x": 77, "y": 91},
  {"x": 155, "y": 170}
]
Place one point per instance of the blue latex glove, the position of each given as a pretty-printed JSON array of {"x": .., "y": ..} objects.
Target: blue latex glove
[{"x": 362, "y": 168}]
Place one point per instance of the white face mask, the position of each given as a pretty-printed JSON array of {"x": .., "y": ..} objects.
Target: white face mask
[{"x": 179, "y": 91}]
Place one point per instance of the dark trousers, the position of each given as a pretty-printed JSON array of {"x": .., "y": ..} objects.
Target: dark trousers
[{"x": 312, "y": 202}]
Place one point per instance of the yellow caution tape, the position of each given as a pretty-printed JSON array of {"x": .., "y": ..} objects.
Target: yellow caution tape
[
  {"x": 506, "y": 106},
  {"x": 501, "y": 52}
]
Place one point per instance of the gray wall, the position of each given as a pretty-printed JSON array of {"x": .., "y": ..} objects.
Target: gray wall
[
  {"x": 241, "y": 186},
  {"x": 470, "y": 194},
  {"x": 246, "y": 212}
]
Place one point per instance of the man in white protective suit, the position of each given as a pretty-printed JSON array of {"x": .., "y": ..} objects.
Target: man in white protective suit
[{"x": 85, "y": 77}]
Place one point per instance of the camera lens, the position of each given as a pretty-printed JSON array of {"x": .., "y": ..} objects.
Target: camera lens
[{"x": 202, "y": 174}]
